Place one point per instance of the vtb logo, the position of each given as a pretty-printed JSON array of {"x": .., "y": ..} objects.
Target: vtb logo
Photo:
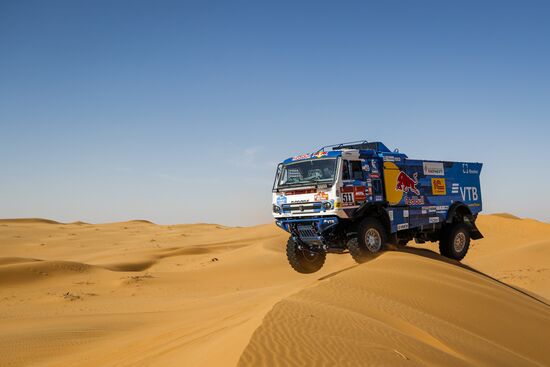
[{"x": 469, "y": 193}]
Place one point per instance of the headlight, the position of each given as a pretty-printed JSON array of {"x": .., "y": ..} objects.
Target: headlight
[
  {"x": 328, "y": 205},
  {"x": 276, "y": 209}
]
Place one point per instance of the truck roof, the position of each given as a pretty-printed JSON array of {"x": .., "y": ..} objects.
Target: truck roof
[{"x": 353, "y": 150}]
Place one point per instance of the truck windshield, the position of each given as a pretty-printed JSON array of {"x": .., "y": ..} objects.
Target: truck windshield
[{"x": 307, "y": 172}]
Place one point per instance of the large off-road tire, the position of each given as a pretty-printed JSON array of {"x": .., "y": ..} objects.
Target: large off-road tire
[
  {"x": 371, "y": 240},
  {"x": 455, "y": 241},
  {"x": 304, "y": 261}
]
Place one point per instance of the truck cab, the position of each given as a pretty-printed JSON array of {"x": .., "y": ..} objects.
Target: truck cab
[{"x": 360, "y": 196}]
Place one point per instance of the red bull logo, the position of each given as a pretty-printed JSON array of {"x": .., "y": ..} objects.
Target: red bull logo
[
  {"x": 319, "y": 154},
  {"x": 405, "y": 183}
]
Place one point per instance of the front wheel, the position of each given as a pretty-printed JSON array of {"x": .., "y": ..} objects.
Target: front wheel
[
  {"x": 455, "y": 241},
  {"x": 303, "y": 260},
  {"x": 371, "y": 240}
]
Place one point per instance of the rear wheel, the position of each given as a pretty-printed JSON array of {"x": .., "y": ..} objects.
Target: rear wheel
[
  {"x": 303, "y": 260},
  {"x": 371, "y": 240},
  {"x": 455, "y": 241}
]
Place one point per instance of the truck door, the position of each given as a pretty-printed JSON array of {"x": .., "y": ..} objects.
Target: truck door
[{"x": 354, "y": 186}]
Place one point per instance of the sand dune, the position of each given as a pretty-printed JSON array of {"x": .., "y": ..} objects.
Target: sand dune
[
  {"x": 137, "y": 293},
  {"x": 404, "y": 309}
]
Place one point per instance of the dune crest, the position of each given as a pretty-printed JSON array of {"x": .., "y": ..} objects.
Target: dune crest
[
  {"x": 29, "y": 221},
  {"x": 505, "y": 215}
]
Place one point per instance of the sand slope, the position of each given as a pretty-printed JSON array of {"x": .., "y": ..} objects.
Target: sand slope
[
  {"x": 136, "y": 293},
  {"x": 404, "y": 309}
]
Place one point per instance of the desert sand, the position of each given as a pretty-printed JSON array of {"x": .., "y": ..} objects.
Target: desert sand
[{"x": 137, "y": 293}]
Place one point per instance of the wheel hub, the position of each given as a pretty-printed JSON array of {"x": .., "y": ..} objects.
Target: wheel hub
[
  {"x": 373, "y": 240},
  {"x": 459, "y": 242}
]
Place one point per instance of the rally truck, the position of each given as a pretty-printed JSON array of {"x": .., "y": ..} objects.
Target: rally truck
[{"x": 360, "y": 197}]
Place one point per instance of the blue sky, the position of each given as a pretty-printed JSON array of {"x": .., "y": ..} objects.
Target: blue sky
[{"x": 179, "y": 111}]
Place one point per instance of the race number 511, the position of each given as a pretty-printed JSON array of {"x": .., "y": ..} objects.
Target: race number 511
[{"x": 347, "y": 198}]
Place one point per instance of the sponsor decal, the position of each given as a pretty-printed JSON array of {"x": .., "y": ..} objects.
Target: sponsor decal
[
  {"x": 433, "y": 168},
  {"x": 442, "y": 207},
  {"x": 281, "y": 200},
  {"x": 469, "y": 193},
  {"x": 300, "y": 192},
  {"x": 307, "y": 156},
  {"x": 375, "y": 175},
  {"x": 337, "y": 204},
  {"x": 414, "y": 200},
  {"x": 454, "y": 188},
  {"x": 299, "y": 201},
  {"x": 378, "y": 198},
  {"x": 405, "y": 183},
  {"x": 402, "y": 226},
  {"x": 360, "y": 193},
  {"x": 300, "y": 157},
  {"x": 438, "y": 186},
  {"x": 467, "y": 171},
  {"x": 374, "y": 165},
  {"x": 319, "y": 154},
  {"x": 433, "y": 220},
  {"x": 390, "y": 214},
  {"x": 405, "y": 213},
  {"x": 391, "y": 158},
  {"x": 369, "y": 191},
  {"x": 320, "y": 196}
]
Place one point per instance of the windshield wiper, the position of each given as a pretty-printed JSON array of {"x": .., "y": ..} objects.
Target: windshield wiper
[
  {"x": 304, "y": 182},
  {"x": 315, "y": 180}
]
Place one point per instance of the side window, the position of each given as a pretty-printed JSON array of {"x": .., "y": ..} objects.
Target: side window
[
  {"x": 356, "y": 170},
  {"x": 345, "y": 170},
  {"x": 277, "y": 176}
]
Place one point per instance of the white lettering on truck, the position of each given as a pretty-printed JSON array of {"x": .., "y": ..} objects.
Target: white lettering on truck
[{"x": 469, "y": 193}]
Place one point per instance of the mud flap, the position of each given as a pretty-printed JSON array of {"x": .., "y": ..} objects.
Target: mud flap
[{"x": 475, "y": 234}]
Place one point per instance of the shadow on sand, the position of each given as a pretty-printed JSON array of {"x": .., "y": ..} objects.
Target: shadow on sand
[{"x": 427, "y": 253}]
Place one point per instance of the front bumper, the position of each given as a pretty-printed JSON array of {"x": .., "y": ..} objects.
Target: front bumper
[{"x": 312, "y": 231}]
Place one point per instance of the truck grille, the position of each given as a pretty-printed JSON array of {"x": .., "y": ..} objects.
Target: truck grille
[{"x": 302, "y": 208}]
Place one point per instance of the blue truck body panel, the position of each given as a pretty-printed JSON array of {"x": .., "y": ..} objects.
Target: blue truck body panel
[{"x": 420, "y": 193}]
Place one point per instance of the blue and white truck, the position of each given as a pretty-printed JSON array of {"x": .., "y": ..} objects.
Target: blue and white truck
[{"x": 360, "y": 197}]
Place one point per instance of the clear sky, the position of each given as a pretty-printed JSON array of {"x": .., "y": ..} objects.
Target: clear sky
[{"x": 178, "y": 111}]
